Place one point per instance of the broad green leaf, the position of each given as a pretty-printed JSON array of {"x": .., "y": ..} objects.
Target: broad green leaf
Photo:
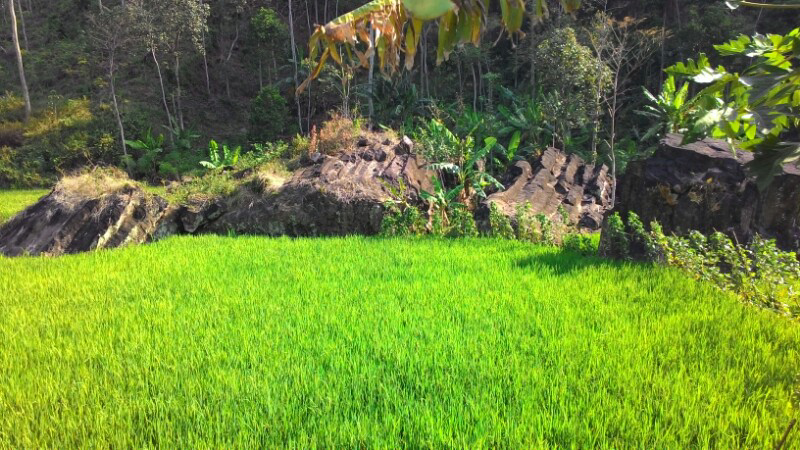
[{"x": 428, "y": 9}]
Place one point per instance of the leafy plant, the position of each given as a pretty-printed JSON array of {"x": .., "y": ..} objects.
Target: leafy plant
[
  {"x": 401, "y": 24},
  {"x": 227, "y": 158},
  {"x": 268, "y": 115},
  {"x": 523, "y": 122},
  {"x": 149, "y": 149},
  {"x": 670, "y": 110},
  {"x": 440, "y": 202},
  {"x": 581, "y": 244},
  {"x": 759, "y": 108},
  {"x": 472, "y": 179},
  {"x": 499, "y": 224},
  {"x": 759, "y": 272}
]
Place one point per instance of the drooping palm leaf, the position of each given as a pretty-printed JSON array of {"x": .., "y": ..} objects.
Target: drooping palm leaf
[{"x": 397, "y": 26}]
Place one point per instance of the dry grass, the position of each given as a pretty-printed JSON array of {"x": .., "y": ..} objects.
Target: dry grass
[
  {"x": 337, "y": 134},
  {"x": 94, "y": 183}
]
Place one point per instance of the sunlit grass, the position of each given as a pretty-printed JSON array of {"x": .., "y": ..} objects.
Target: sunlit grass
[
  {"x": 14, "y": 201},
  {"x": 198, "y": 341}
]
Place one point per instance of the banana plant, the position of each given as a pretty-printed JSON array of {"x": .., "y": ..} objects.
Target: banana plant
[
  {"x": 440, "y": 201},
  {"x": 394, "y": 27},
  {"x": 228, "y": 158},
  {"x": 524, "y": 118},
  {"x": 472, "y": 178}
]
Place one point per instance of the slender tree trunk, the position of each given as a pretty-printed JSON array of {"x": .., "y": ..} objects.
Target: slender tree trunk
[
  {"x": 260, "y": 75},
  {"x": 460, "y": 80},
  {"x": 24, "y": 29},
  {"x": 308, "y": 108},
  {"x": 20, "y": 67},
  {"x": 370, "y": 77},
  {"x": 179, "y": 110},
  {"x": 161, "y": 82},
  {"x": 275, "y": 74},
  {"x": 474, "y": 88},
  {"x": 295, "y": 62},
  {"x": 205, "y": 67},
  {"x": 116, "y": 104},
  {"x": 612, "y": 139},
  {"x": 227, "y": 62},
  {"x": 663, "y": 48},
  {"x": 205, "y": 57}
]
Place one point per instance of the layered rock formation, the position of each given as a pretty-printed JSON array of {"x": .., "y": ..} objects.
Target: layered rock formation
[
  {"x": 705, "y": 187},
  {"x": 335, "y": 195},
  {"x": 81, "y": 214},
  {"x": 556, "y": 179}
]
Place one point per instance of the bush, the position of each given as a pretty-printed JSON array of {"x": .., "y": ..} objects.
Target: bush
[
  {"x": 581, "y": 244},
  {"x": 268, "y": 115},
  {"x": 759, "y": 272},
  {"x": 499, "y": 225}
]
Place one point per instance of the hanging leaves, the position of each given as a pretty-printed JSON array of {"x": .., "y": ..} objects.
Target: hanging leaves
[{"x": 398, "y": 25}]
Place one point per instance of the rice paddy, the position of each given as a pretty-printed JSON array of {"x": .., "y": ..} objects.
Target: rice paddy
[
  {"x": 366, "y": 342},
  {"x": 14, "y": 201}
]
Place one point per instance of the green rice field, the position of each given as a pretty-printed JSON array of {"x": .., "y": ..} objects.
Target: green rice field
[
  {"x": 14, "y": 201},
  {"x": 364, "y": 342}
]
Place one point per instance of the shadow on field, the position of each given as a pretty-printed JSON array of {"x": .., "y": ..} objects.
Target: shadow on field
[{"x": 562, "y": 263}]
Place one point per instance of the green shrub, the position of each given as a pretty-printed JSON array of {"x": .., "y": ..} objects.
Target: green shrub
[
  {"x": 616, "y": 242},
  {"x": 268, "y": 115},
  {"x": 402, "y": 220},
  {"x": 462, "y": 222},
  {"x": 581, "y": 244},
  {"x": 499, "y": 225},
  {"x": 759, "y": 272}
]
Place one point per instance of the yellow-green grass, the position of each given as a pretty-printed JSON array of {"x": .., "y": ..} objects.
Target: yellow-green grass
[
  {"x": 14, "y": 201},
  {"x": 213, "y": 341}
]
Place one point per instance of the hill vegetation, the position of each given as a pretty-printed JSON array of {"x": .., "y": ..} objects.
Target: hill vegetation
[{"x": 194, "y": 70}]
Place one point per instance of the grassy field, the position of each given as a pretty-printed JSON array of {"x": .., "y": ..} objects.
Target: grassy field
[
  {"x": 197, "y": 341},
  {"x": 14, "y": 201}
]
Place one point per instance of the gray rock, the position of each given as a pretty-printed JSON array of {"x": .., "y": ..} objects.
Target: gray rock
[
  {"x": 338, "y": 195},
  {"x": 556, "y": 179},
  {"x": 72, "y": 219},
  {"x": 705, "y": 187}
]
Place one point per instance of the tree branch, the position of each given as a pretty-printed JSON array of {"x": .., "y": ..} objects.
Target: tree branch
[{"x": 769, "y": 5}]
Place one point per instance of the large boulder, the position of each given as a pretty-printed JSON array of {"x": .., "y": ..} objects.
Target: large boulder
[
  {"x": 333, "y": 195},
  {"x": 556, "y": 180},
  {"x": 92, "y": 211},
  {"x": 704, "y": 186}
]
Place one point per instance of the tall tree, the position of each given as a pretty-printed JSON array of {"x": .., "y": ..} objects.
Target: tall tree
[
  {"x": 296, "y": 66},
  {"x": 169, "y": 28},
  {"x": 623, "y": 48},
  {"x": 110, "y": 35},
  {"x": 15, "y": 38}
]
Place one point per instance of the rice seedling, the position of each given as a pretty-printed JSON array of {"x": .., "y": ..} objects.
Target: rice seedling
[{"x": 351, "y": 342}]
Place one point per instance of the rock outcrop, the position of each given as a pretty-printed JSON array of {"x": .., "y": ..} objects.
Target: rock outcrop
[
  {"x": 92, "y": 211},
  {"x": 556, "y": 179},
  {"x": 705, "y": 187},
  {"x": 333, "y": 196}
]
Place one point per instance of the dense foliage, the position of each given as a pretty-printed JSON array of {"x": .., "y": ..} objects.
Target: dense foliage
[
  {"x": 227, "y": 70},
  {"x": 759, "y": 272}
]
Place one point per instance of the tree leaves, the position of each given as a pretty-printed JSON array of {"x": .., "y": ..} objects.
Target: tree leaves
[
  {"x": 399, "y": 23},
  {"x": 428, "y": 9},
  {"x": 755, "y": 109}
]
